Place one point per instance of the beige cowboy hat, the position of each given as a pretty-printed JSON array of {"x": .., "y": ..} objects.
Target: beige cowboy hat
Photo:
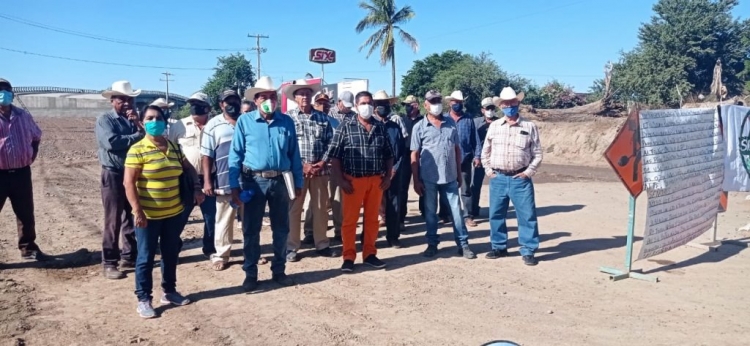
[
  {"x": 456, "y": 95},
  {"x": 121, "y": 88},
  {"x": 508, "y": 94},
  {"x": 299, "y": 84},
  {"x": 263, "y": 84},
  {"x": 409, "y": 100},
  {"x": 162, "y": 103},
  {"x": 381, "y": 95}
]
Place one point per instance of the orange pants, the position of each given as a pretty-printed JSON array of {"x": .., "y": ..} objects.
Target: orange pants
[{"x": 366, "y": 192}]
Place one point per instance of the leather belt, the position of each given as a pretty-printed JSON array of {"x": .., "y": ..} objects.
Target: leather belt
[
  {"x": 510, "y": 173},
  {"x": 262, "y": 174}
]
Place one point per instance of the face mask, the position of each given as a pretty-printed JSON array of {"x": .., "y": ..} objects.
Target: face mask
[
  {"x": 364, "y": 111},
  {"x": 457, "y": 107},
  {"x": 511, "y": 111},
  {"x": 233, "y": 110},
  {"x": 436, "y": 109},
  {"x": 268, "y": 107},
  {"x": 383, "y": 110},
  {"x": 6, "y": 97},
  {"x": 489, "y": 114},
  {"x": 198, "y": 110},
  {"x": 155, "y": 127},
  {"x": 167, "y": 114},
  {"x": 409, "y": 109}
]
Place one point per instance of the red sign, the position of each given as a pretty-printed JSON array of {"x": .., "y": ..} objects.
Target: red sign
[
  {"x": 322, "y": 55},
  {"x": 624, "y": 155}
]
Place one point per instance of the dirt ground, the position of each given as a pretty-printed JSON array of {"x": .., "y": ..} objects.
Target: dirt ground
[{"x": 702, "y": 298}]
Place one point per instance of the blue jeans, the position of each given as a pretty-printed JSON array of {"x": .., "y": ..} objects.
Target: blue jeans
[
  {"x": 272, "y": 191},
  {"x": 208, "y": 209},
  {"x": 504, "y": 189},
  {"x": 476, "y": 191},
  {"x": 449, "y": 192},
  {"x": 166, "y": 233}
]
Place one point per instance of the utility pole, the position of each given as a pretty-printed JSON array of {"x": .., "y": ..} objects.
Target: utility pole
[
  {"x": 258, "y": 49},
  {"x": 166, "y": 79}
]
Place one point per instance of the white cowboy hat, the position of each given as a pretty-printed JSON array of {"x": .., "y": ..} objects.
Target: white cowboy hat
[
  {"x": 162, "y": 103},
  {"x": 121, "y": 88},
  {"x": 262, "y": 85},
  {"x": 508, "y": 94},
  {"x": 290, "y": 89},
  {"x": 456, "y": 95},
  {"x": 381, "y": 95}
]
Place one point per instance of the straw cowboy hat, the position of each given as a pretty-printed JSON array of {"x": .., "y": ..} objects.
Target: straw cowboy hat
[
  {"x": 508, "y": 94},
  {"x": 299, "y": 84},
  {"x": 381, "y": 95},
  {"x": 121, "y": 88},
  {"x": 162, "y": 103},
  {"x": 456, "y": 95},
  {"x": 409, "y": 100},
  {"x": 263, "y": 84}
]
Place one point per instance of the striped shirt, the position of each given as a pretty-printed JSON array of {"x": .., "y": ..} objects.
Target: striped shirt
[
  {"x": 216, "y": 143},
  {"x": 437, "y": 150},
  {"x": 158, "y": 183},
  {"x": 511, "y": 148},
  {"x": 16, "y": 136}
]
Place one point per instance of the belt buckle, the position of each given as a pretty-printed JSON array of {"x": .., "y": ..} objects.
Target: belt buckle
[{"x": 268, "y": 174}]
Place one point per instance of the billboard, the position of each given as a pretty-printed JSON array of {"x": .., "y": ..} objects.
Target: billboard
[
  {"x": 323, "y": 55},
  {"x": 352, "y": 85}
]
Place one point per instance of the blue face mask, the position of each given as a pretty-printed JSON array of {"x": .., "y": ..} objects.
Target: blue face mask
[
  {"x": 6, "y": 97},
  {"x": 155, "y": 127},
  {"x": 457, "y": 107},
  {"x": 511, "y": 111}
]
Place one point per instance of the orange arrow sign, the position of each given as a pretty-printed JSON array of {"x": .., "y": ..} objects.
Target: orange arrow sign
[{"x": 624, "y": 155}]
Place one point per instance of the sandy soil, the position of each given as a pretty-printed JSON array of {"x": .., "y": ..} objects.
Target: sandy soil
[{"x": 701, "y": 299}]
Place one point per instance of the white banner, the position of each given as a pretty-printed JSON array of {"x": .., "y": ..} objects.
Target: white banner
[
  {"x": 736, "y": 121},
  {"x": 683, "y": 162}
]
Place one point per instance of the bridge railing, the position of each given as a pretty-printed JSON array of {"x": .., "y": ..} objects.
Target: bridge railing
[{"x": 55, "y": 90}]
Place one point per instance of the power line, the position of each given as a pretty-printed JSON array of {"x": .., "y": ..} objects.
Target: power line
[
  {"x": 109, "y": 39},
  {"x": 258, "y": 49},
  {"x": 105, "y": 63}
]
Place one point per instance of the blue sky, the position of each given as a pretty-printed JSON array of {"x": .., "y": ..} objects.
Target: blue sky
[{"x": 568, "y": 40}]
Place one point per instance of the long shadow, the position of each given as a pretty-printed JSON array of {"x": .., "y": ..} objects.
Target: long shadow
[
  {"x": 724, "y": 251},
  {"x": 581, "y": 246},
  {"x": 76, "y": 259}
]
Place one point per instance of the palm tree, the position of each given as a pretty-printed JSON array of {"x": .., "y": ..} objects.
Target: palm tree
[{"x": 386, "y": 18}]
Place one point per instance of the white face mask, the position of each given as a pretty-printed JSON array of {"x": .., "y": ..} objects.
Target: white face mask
[
  {"x": 365, "y": 111},
  {"x": 490, "y": 114},
  {"x": 268, "y": 106},
  {"x": 436, "y": 109}
]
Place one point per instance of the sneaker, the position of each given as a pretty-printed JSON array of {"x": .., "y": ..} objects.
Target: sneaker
[
  {"x": 145, "y": 310},
  {"x": 328, "y": 252},
  {"x": 291, "y": 256},
  {"x": 112, "y": 273},
  {"x": 431, "y": 251},
  {"x": 348, "y": 266},
  {"x": 250, "y": 284},
  {"x": 283, "y": 280},
  {"x": 466, "y": 252},
  {"x": 374, "y": 261},
  {"x": 529, "y": 260},
  {"x": 35, "y": 255},
  {"x": 174, "y": 298},
  {"x": 495, "y": 254}
]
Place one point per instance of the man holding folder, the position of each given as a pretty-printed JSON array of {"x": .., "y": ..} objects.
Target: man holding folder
[{"x": 265, "y": 150}]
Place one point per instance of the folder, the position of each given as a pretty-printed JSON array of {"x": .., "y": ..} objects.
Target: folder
[{"x": 289, "y": 181}]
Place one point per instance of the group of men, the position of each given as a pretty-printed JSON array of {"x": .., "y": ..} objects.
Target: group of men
[{"x": 356, "y": 155}]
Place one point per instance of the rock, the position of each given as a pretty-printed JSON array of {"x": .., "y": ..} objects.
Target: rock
[{"x": 550, "y": 312}]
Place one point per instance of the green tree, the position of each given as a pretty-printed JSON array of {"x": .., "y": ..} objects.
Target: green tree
[
  {"x": 421, "y": 77},
  {"x": 383, "y": 16},
  {"x": 232, "y": 72},
  {"x": 183, "y": 112},
  {"x": 678, "y": 49}
]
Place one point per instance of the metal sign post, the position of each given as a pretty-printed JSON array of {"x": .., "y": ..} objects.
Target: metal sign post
[{"x": 322, "y": 56}]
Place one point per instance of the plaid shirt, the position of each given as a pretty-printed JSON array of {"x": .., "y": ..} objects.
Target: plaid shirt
[
  {"x": 314, "y": 135},
  {"x": 16, "y": 136},
  {"x": 362, "y": 153},
  {"x": 471, "y": 147},
  {"x": 510, "y": 148},
  {"x": 334, "y": 112}
]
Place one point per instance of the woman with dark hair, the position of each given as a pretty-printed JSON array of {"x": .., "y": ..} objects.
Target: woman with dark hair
[{"x": 152, "y": 170}]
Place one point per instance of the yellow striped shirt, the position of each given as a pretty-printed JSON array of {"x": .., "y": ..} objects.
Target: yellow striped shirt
[{"x": 158, "y": 184}]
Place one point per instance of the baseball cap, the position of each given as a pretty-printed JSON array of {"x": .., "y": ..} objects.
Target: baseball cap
[
  {"x": 5, "y": 81},
  {"x": 487, "y": 101},
  {"x": 198, "y": 97},
  {"x": 347, "y": 98},
  {"x": 432, "y": 94},
  {"x": 320, "y": 95},
  {"x": 227, "y": 94}
]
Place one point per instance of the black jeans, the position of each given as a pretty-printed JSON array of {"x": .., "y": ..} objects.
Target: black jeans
[
  {"x": 118, "y": 221},
  {"x": 467, "y": 167},
  {"x": 392, "y": 202},
  {"x": 15, "y": 184}
]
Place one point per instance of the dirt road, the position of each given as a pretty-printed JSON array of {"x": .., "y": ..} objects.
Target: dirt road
[{"x": 701, "y": 300}]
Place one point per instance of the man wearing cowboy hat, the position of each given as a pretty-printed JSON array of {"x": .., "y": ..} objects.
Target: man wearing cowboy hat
[
  {"x": 188, "y": 133},
  {"x": 19, "y": 146},
  {"x": 362, "y": 162},
  {"x": 314, "y": 134},
  {"x": 471, "y": 150},
  {"x": 391, "y": 203},
  {"x": 261, "y": 173},
  {"x": 116, "y": 130},
  {"x": 511, "y": 155},
  {"x": 436, "y": 168},
  {"x": 489, "y": 112}
]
